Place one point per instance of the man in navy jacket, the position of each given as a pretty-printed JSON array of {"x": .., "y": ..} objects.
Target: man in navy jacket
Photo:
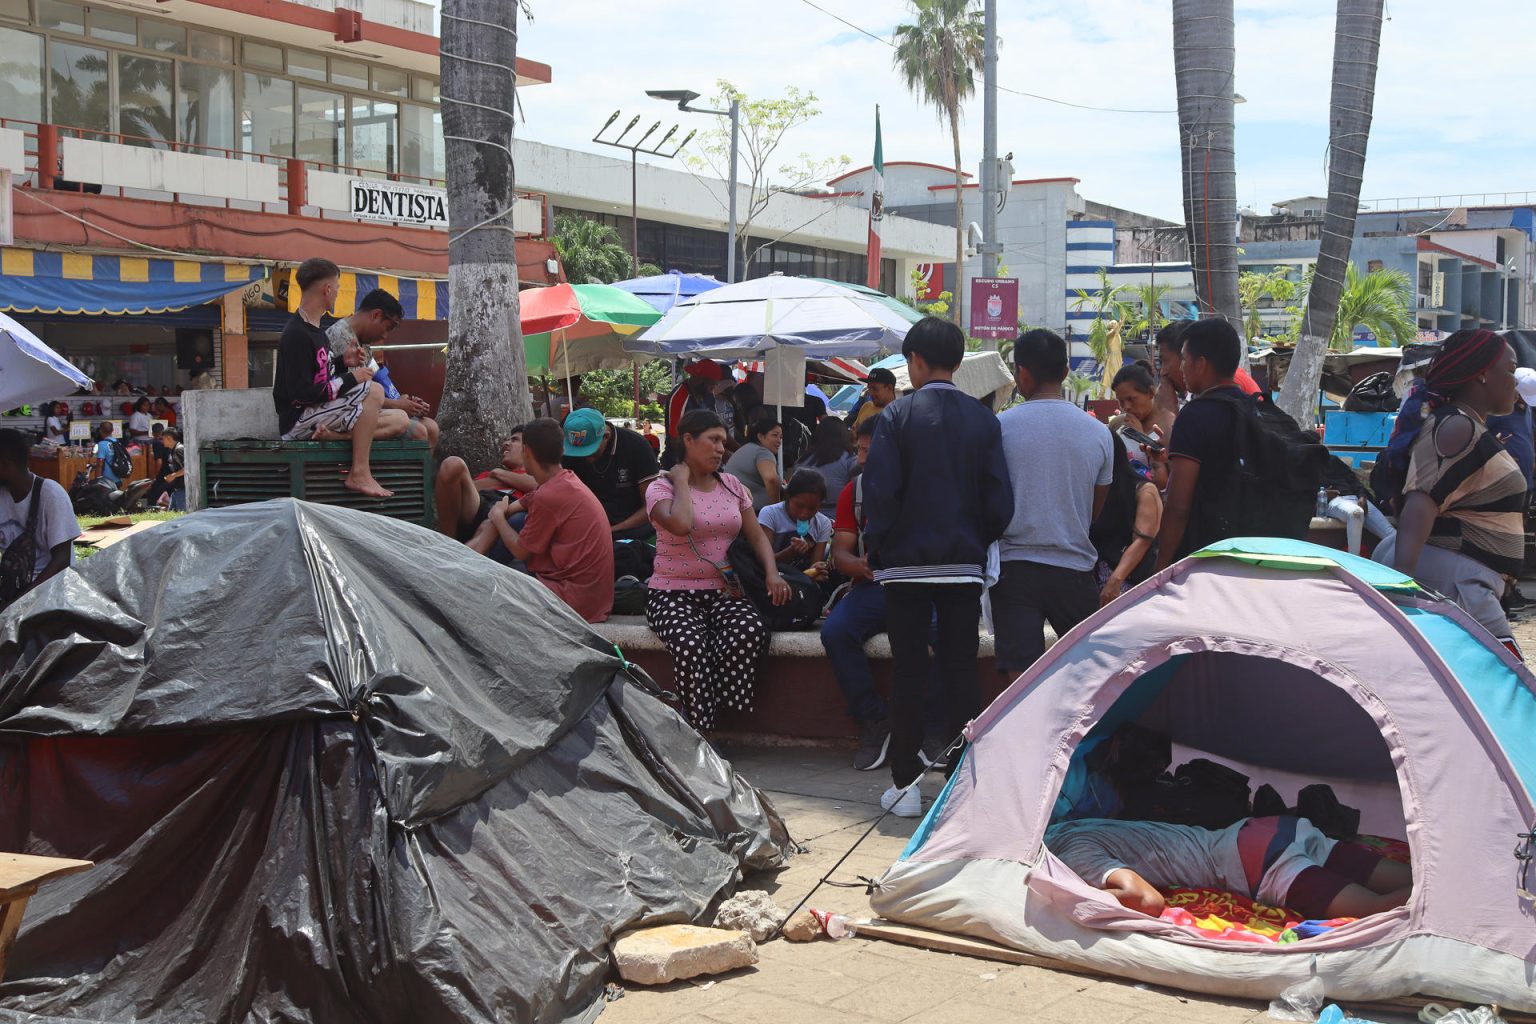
[{"x": 936, "y": 495}]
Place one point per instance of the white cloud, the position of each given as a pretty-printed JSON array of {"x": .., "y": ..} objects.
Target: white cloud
[{"x": 1450, "y": 109}]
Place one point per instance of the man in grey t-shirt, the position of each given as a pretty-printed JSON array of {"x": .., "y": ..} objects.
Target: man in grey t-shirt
[{"x": 1060, "y": 462}]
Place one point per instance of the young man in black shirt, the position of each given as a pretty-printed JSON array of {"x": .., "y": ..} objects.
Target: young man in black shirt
[
  {"x": 1202, "y": 452},
  {"x": 617, "y": 465},
  {"x": 319, "y": 399}
]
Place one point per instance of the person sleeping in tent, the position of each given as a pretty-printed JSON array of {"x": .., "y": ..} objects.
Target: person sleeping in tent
[{"x": 1279, "y": 861}]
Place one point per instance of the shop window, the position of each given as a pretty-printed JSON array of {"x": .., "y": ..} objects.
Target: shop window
[
  {"x": 205, "y": 97},
  {"x": 77, "y": 86},
  {"x": 266, "y": 115},
  {"x": 210, "y": 46},
  {"x": 322, "y": 124},
  {"x": 306, "y": 65},
  {"x": 421, "y": 141},
  {"x": 374, "y": 134},
  {"x": 389, "y": 81},
  {"x": 61, "y": 17},
  {"x": 114, "y": 27},
  {"x": 157, "y": 35},
  {"x": 21, "y": 75},
  {"x": 144, "y": 100},
  {"x": 350, "y": 73},
  {"x": 424, "y": 89},
  {"x": 260, "y": 55}
]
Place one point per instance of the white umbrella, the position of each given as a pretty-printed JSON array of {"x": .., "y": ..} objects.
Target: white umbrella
[
  {"x": 754, "y": 317},
  {"x": 775, "y": 315},
  {"x": 31, "y": 371}
]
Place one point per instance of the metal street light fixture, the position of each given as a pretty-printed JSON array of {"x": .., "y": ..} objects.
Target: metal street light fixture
[{"x": 684, "y": 98}]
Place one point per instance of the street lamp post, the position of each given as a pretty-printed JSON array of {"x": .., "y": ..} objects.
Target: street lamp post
[{"x": 684, "y": 98}]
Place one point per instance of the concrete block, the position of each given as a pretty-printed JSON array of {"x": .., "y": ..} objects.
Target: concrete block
[
  {"x": 656, "y": 956},
  {"x": 222, "y": 178},
  {"x": 753, "y": 912},
  {"x": 218, "y": 415}
]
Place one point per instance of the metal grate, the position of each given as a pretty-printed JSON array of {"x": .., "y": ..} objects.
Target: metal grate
[
  {"x": 238, "y": 483},
  {"x": 323, "y": 483}
]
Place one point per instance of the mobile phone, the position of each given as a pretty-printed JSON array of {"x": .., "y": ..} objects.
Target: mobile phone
[{"x": 1132, "y": 434}]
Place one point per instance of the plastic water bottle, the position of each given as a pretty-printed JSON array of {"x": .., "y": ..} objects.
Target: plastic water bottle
[
  {"x": 836, "y": 926},
  {"x": 1322, "y": 503}
]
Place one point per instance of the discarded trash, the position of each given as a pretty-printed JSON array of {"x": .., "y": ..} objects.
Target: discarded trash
[
  {"x": 753, "y": 912},
  {"x": 989, "y": 976},
  {"x": 1434, "y": 1013},
  {"x": 1299, "y": 1002},
  {"x": 836, "y": 926}
]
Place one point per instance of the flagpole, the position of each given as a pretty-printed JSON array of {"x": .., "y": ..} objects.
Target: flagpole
[{"x": 876, "y": 210}]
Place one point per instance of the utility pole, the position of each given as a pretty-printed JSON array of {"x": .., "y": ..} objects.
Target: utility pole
[{"x": 991, "y": 188}]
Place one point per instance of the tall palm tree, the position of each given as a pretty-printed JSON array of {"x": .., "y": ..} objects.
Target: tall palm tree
[
  {"x": 1204, "y": 50},
  {"x": 1356, "y": 44},
  {"x": 1149, "y": 316},
  {"x": 1381, "y": 300},
  {"x": 485, "y": 393},
  {"x": 937, "y": 57}
]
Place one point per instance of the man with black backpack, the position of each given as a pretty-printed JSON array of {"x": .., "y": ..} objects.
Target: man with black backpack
[
  {"x": 37, "y": 523},
  {"x": 1236, "y": 469}
]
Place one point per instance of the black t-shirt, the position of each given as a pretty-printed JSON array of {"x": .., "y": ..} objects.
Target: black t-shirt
[
  {"x": 306, "y": 373},
  {"x": 1206, "y": 432},
  {"x": 174, "y": 461},
  {"x": 618, "y": 473}
]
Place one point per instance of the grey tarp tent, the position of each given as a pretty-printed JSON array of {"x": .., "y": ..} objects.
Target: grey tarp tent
[{"x": 337, "y": 768}]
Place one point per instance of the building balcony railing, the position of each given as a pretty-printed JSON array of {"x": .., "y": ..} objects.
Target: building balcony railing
[{"x": 62, "y": 158}]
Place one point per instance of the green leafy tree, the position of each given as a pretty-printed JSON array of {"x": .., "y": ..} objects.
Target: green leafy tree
[
  {"x": 1108, "y": 304},
  {"x": 762, "y": 170},
  {"x": 1147, "y": 316},
  {"x": 937, "y": 56},
  {"x": 1381, "y": 300},
  {"x": 1254, "y": 288},
  {"x": 592, "y": 252},
  {"x": 613, "y": 391}
]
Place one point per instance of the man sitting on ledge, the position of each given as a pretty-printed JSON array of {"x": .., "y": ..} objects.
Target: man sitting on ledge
[
  {"x": 464, "y": 501},
  {"x": 316, "y": 397},
  {"x": 565, "y": 542},
  {"x": 1279, "y": 861},
  {"x": 352, "y": 339}
]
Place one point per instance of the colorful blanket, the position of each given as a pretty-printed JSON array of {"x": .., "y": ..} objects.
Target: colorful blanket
[{"x": 1223, "y": 915}]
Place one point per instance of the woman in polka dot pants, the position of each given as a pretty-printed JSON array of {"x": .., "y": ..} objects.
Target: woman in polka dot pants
[{"x": 715, "y": 637}]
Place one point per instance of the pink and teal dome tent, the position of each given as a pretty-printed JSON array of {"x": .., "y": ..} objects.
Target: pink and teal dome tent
[{"x": 1294, "y": 664}]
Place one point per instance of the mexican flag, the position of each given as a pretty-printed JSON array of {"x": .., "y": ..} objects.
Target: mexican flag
[{"x": 876, "y": 208}]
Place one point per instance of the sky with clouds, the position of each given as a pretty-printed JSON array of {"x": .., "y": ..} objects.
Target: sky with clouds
[{"x": 1453, "y": 103}]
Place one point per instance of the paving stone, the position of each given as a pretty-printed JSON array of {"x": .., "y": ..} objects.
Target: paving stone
[
  {"x": 1151, "y": 999},
  {"x": 1079, "y": 1009},
  {"x": 655, "y": 956},
  {"x": 767, "y": 1008},
  {"x": 920, "y": 989}
]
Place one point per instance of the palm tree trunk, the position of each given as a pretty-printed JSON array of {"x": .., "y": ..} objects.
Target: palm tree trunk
[
  {"x": 485, "y": 393},
  {"x": 1203, "y": 54},
  {"x": 1356, "y": 43},
  {"x": 956, "y": 308}
]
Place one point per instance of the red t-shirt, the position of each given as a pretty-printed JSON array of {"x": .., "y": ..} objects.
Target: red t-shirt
[
  {"x": 1245, "y": 382},
  {"x": 844, "y": 519},
  {"x": 570, "y": 547}
]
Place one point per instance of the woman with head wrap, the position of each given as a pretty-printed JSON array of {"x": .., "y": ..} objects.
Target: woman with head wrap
[{"x": 1460, "y": 530}]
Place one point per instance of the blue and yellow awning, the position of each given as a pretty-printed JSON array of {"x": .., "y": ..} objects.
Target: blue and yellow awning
[
  {"x": 33, "y": 281},
  {"x": 424, "y": 298}
]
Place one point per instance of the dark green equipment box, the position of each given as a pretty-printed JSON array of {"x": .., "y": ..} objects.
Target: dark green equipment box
[{"x": 247, "y": 470}]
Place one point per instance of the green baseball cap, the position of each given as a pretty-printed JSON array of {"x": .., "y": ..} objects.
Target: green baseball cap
[{"x": 583, "y": 432}]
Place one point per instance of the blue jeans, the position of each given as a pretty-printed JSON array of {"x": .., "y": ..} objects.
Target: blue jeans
[{"x": 857, "y": 617}]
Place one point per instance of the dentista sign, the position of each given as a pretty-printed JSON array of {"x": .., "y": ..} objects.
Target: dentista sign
[{"x": 390, "y": 202}]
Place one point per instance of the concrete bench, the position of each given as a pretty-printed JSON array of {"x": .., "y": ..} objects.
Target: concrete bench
[{"x": 797, "y": 698}]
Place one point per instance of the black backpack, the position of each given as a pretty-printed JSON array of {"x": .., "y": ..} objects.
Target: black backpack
[
  {"x": 1272, "y": 491},
  {"x": 801, "y": 611},
  {"x": 121, "y": 461}
]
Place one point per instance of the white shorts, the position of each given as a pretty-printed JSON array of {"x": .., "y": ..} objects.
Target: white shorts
[{"x": 339, "y": 414}]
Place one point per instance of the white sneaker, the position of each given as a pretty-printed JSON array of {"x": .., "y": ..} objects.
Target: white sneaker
[{"x": 904, "y": 803}]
